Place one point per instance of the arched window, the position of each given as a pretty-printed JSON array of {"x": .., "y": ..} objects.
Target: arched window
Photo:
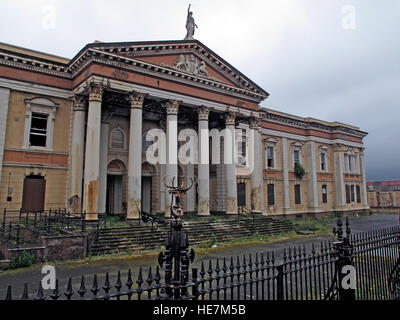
[{"x": 117, "y": 139}]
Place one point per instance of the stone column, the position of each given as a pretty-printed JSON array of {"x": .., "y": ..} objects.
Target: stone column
[
  {"x": 364, "y": 182},
  {"x": 4, "y": 101},
  {"x": 286, "y": 189},
  {"x": 230, "y": 164},
  {"x": 77, "y": 151},
  {"x": 257, "y": 205},
  {"x": 190, "y": 194},
  {"x": 135, "y": 157},
  {"x": 92, "y": 153},
  {"x": 203, "y": 175},
  {"x": 104, "y": 142},
  {"x": 338, "y": 159},
  {"x": 312, "y": 176},
  {"x": 172, "y": 107}
]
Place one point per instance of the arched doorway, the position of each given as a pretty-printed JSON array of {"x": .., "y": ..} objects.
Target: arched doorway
[
  {"x": 148, "y": 173},
  {"x": 114, "y": 201}
]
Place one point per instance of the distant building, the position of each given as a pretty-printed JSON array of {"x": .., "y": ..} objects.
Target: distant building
[{"x": 384, "y": 195}]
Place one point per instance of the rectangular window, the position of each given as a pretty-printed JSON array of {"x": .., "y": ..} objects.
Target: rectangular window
[
  {"x": 296, "y": 156},
  {"x": 38, "y": 134},
  {"x": 353, "y": 196},
  {"x": 270, "y": 157},
  {"x": 348, "y": 194},
  {"x": 242, "y": 148},
  {"x": 324, "y": 194},
  {"x": 297, "y": 194},
  {"x": 271, "y": 194},
  {"x": 350, "y": 164},
  {"x": 323, "y": 161},
  {"x": 241, "y": 194},
  {"x": 358, "y": 189}
]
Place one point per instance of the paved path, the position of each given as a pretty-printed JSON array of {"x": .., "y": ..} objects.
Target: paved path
[{"x": 33, "y": 275}]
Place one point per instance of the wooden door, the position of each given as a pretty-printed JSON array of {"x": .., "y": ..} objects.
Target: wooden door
[{"x": 34, "y": 193}]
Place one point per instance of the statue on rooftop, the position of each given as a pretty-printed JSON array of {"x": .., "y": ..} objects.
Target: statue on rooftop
[{"x": 190, "y": 25}]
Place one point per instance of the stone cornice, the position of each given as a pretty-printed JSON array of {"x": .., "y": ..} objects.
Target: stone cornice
[
  {"x": 166, "y": 73},
  {"x": 310, "y": 125},
  {"x": 153, "y": 48},
  {"x": 34, "y": 64}
]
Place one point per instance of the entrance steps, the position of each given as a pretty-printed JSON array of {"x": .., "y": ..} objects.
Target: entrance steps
[{"x": 140, "y": 237}]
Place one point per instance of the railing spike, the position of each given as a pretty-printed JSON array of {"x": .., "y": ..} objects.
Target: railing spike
[
  {"x": 157, "y": 278},
  {"x": 118, "y": 284},
  {"x": 210, "y": 269},
  {"x": 69, "y": 293},
  {"x": 129, "y": 282},
  {"x": 95, "y": 288},
  {"x": 107, "y": 286},
  {"x": 56, "y": 293},
  {"x": 9, "y": 295},
  {"x": 25, "y": 294},
  {"x": 82, "y": 290},
  {"x": 224, "y": 267},
  {"x": 139, "y": 281},
  {"x": 40, "y": 294},
  {"x": 150, "y": 277}
]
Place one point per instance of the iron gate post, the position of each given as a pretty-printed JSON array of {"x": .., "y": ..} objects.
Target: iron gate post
[{"x": 344, "y": 251}]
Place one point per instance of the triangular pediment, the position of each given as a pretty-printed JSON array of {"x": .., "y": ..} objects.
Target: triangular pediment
[{"x": 190, "y": 60}]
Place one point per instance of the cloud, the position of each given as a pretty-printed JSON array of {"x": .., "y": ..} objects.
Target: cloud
[{"x": 296, "y": 50}]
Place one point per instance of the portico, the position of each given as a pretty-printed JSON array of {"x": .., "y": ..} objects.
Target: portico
[{"x": 140, "y": 112}]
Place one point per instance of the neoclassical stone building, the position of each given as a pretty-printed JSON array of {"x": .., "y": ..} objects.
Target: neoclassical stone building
[{"x": 73, "y": 134}]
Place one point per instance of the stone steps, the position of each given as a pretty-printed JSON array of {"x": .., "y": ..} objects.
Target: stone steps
[{"x": 139, "y": 237}]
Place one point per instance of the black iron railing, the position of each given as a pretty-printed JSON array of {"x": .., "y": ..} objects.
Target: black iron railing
[{"x": 301, "y": 274}]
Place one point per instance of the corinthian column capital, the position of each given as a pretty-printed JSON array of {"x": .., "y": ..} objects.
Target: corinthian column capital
[
  {"x": 172, "y": 107},
  {"x": 230, "y": 118},
  {"x": 203, "y": 113},
  {"x": 79, "y": 102},
  {"x": 136, "y": 99},
  {"x": 95, "y": 91},
  {"x": 254, "y": 124}
]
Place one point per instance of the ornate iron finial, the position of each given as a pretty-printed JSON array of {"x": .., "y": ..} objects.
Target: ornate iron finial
[{"x": 176, "y": 193}]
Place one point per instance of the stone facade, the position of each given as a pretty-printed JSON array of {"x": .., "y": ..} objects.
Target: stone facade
[{"x": 80, "y": 126}]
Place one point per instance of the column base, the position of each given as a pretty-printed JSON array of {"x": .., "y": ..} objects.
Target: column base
[
  {"x": 231, "y": 213},
  {"x": 257, "y": 212},
  {"x": 203, "y": 214}
]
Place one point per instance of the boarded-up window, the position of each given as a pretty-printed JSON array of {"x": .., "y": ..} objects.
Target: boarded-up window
[
  {"x": 270, "y": 157},
  {"x": 34, "y": 193},
  {"x": 324, "y": 194},
  {"x": 353, "y": 195},
  {"x": 358, "y": 194},
  {"x": 271, "y": 194},
  {"x": 297, "y": 194},
  {"x": 117, "y": 139},
  {"x": 348, "y": 200},
  {"x": 241, "y": 194}
]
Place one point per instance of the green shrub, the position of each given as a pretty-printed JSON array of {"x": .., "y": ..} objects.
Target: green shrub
[
  {"x": 213, "y": 240},
  {"x": 24, "y": 260},
  {"x": 299, "y": 170}
]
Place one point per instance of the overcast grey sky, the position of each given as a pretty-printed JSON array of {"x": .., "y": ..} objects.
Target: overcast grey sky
[{"x": 310, "y": 55}]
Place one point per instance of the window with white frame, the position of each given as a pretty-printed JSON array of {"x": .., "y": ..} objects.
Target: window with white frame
[
  {"x": 297, "y": 153},
  {"x": 351, "y": 160},
  {"x": 323, "y": 158},
  {"x": 242, "y": 147},
  {"x": 323, "y": 161},
  {"x": 39, "y": 123},
  {"x": 270, "y": 153},
  {"x": 117, "y": 139}
]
